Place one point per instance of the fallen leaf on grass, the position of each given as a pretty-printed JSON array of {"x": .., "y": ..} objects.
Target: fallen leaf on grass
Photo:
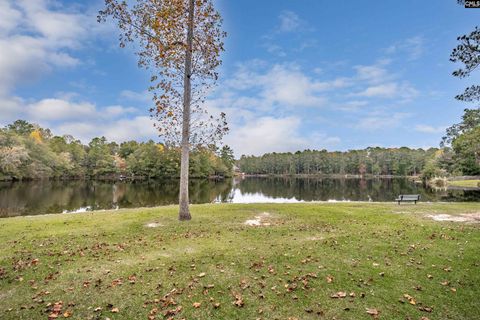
[
  {"x": 56, "y": 310},
  {"x": 132, "y": 279},
  {"x": 410, "y": 299},
  {"x": 238, "y": 300},
  {"x": 373, "y": 312},
  {"x": 330, "y": 279},
  {"x": 340, "y": 294},
  {"x": 173, "y": 312},
  {"x": 197, "y": 304},
  {"x": 426, "y": 309},
  {"x": 116, "y": 282}
]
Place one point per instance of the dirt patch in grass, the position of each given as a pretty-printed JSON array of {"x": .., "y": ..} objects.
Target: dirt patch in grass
[
  {"x": 260, "y": 220},
  {"x": 315, "y": 238},
  {"x": 153, "y": 225},
  {"x": 464, "y": 217}
]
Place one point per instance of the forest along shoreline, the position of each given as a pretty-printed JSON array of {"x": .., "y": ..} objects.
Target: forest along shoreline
[{"x": 30, "y": 152}]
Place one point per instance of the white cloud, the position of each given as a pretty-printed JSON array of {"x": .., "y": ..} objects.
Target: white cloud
[
  {"x": 377, "y": 81},
  {"x": 378, "y": 120},
  {"x": 291, "y": 87},
  {"x": 139, "y": 128},
  {"x": 83, "y": 120},
  {"x": 413, "y": 47},
  {"x": 404, "y": 91},
  {"x": 289, "y": 21},
  {"x": 34, "y": 38},
  {"x": 65, "y": 28},
  {"x": 375, "y": 73},
  {"x": 275, "y": 49},
  {"x": 353, "y": 105},
  {"x": 382, "y": 90},
  {"x": 143, "y": 96},
  {"x": 269, "y": 134},
  {"x": 115, "y": 111},
  {"x": 284, "y": 85},
  {"x": 58, "y": 109},
  {"x": 429, "y": 129},
  {"x": 259, "y": 101},
  {"x": 9, "y": 17},
  {"x": 37, "y": 36}
]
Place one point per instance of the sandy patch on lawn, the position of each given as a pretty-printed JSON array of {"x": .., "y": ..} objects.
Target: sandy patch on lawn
[
  {"x": 464, "y": 217},
  {"x": 259, "y": 220},
  {"x": 314, "y": 238},
  {"x": 153, "y": 225}
]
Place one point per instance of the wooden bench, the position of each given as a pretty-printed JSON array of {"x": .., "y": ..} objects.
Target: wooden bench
[{"x": 408, "y": 197}]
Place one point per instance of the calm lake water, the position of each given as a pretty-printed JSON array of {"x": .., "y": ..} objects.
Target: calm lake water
[{"x": 41, "y": 197}]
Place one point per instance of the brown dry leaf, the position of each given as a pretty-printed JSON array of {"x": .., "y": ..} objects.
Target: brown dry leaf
[
  {"x": 197, "y": 304},
  {"x": 330, "y": 279},
  {"x": 116, "y": 282},
  {"x": 173, "y": 312},
  {"x": 67, "y": 314},
  {"x": 373, "y": 312},
  {"x": 410, "y": 299},
  {"x": 216, "y": 305},
  {"x": 201, "y": 275},
  {"x": 152, "y": 314},
  {"x": 132, "y": 279},
  {"x": 57, "y": 307},
  {"x": 114, "y": 310},
  {"x": 238, "y": 300},
  {"x": 426, "y": 309},
  {"x": 340, "y": 294}
]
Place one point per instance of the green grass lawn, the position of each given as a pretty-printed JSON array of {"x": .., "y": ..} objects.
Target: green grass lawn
[
  {"x": 464, "y": 183},
  {"x": 308, "y": 261}
]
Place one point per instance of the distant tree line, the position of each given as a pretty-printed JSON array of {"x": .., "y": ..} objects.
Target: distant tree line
[
  {"x": 375, "y": 161},
  {"x": 28, "y": 151}
]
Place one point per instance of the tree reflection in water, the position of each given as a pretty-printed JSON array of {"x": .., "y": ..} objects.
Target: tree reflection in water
[{"x": 39, "y": 197}]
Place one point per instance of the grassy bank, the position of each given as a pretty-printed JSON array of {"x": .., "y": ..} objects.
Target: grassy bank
[
  {"x": 465, "y": 183},
  {"x": 304, "y": 261}
]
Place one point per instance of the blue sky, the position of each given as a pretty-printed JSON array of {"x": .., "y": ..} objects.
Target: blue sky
[{"x": 296, "y": 74}]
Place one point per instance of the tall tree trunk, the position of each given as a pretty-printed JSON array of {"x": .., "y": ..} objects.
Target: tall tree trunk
[{"x": 184, "y": 213}]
